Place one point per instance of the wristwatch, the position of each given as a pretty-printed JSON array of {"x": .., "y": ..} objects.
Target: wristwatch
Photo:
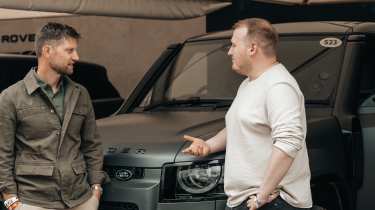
[
  {"x": 258, "y": 203},
  {"x": 97, "y": 187},
  {"x": 10, "y": 202}
]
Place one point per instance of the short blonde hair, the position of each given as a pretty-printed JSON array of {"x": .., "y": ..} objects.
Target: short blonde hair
[{"x": 263, "y": 32}]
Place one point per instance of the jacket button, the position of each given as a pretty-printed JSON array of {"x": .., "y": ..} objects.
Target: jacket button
[
  {"x": 58, "y": 133},
  {"x": 52, "y": 111}
]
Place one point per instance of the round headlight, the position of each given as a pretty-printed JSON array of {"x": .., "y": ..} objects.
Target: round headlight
[{"x": 197, "y": 179}]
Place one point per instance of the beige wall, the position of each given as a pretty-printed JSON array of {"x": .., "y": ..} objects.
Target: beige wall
[{"x": 126, "y": 47}]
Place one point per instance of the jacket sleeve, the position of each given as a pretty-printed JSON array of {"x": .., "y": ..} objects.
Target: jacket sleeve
[
  {"x": 91, "y": 147},
  {"x": 286, "y": 116},
  {"x": 7, "y": 143}
]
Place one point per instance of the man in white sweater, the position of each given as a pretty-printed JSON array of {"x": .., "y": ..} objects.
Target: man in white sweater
[{"x": 266, "y": 162}]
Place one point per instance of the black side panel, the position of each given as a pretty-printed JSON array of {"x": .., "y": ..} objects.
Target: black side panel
[
  {"x": 95, "y": 79},
  {"x": 106, "y": 99},
  {"x": 367, "y": 118},
  {"x": 13, "y": 69},
  {"x": 328, "y": 163}
]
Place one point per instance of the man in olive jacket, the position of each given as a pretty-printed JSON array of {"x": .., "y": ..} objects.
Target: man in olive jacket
[{"x": 49, "y": 156}]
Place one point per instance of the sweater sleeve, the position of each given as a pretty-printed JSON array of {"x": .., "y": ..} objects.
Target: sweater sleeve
[{"x": 285, "y": 109}]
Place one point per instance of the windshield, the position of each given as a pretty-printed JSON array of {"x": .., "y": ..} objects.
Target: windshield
[
  {"x": 202, "y": 74},
  {"x": 203, "y": 71}
]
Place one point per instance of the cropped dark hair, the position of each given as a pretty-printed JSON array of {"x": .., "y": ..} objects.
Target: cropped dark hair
[
  {"x": 263, "y": 32},
  {"x": 54, "y": 32}
]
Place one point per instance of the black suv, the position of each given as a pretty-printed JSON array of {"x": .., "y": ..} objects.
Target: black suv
[
  {"x": 106, "y": 99},
  {"x": 188, "y": 91}
]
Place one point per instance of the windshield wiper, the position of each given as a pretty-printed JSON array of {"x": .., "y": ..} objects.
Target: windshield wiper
[{"x": 192, "y": 102}]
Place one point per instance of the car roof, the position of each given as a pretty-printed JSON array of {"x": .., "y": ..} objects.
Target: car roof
[{"x": 324, "y": 27}]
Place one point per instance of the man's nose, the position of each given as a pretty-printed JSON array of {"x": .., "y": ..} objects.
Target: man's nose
[
  {"x": 75, "y": 56},
  {"x": 230, "y": 51}
]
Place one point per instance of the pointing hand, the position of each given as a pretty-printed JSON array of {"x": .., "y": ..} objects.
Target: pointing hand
[{"x": 198, "y": 147}]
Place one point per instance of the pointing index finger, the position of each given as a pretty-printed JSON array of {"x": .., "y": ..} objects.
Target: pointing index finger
[{"x": 189, "y": 138}]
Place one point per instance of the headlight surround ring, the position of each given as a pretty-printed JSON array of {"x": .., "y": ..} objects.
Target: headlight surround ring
[{"x": 199, "y": 178}]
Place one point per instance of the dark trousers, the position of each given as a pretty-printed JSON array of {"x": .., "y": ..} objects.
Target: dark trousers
[{"x": 276, "y": 204}]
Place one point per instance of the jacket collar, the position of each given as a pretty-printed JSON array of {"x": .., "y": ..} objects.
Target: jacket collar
[
  {"x": 30, "y": 82},
  {"x": 32, "y": 85}
]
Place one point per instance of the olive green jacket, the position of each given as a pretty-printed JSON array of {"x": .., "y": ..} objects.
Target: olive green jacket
[{"x": 46, "y": 162}]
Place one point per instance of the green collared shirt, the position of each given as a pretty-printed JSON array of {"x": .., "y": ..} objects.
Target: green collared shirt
[{"x": 57, "y": 99}]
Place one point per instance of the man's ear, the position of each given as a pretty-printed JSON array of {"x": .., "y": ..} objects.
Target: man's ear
[
  {"x": 252, "y": 48},
  {"x": 46, "y": 50}
]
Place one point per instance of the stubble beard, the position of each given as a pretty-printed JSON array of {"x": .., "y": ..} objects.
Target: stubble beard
[{"x": 62, "y": 71}]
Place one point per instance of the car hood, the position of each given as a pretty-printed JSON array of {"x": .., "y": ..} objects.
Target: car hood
[{"x": 151, "y": 139}]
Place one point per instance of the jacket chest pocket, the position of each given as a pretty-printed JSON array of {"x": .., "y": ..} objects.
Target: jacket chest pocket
[
  {"x": 78, "y": 116},
  {"x": 32, "y": 111},
  {"x": 35, "y": 121},
  {"x": 76, "y": 122}
]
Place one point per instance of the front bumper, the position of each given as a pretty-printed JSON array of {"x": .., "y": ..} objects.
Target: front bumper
[{"x": 143, "y": 194}]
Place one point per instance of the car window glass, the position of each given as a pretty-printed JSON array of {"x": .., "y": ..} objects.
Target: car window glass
[
  {"x": 203, "y": 70},
  {"x": 315, "y": 67}
]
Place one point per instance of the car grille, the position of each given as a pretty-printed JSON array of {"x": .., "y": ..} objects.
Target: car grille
[
  {"x": 118, "y": 206},
  {"x": 137, "y": 173}
]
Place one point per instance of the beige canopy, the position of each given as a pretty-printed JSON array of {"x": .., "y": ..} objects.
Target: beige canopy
[
  {"x": 155, "y": 9},
  {"x": 10, "y": 14},
  {"x": 152, "y": 9}
]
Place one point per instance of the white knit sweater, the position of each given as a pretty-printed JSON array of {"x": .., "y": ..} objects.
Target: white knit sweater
[{"x": 267, "y": 112}]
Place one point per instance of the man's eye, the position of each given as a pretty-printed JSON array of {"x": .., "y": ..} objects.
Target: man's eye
[{"x": 227, "y": 47}]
